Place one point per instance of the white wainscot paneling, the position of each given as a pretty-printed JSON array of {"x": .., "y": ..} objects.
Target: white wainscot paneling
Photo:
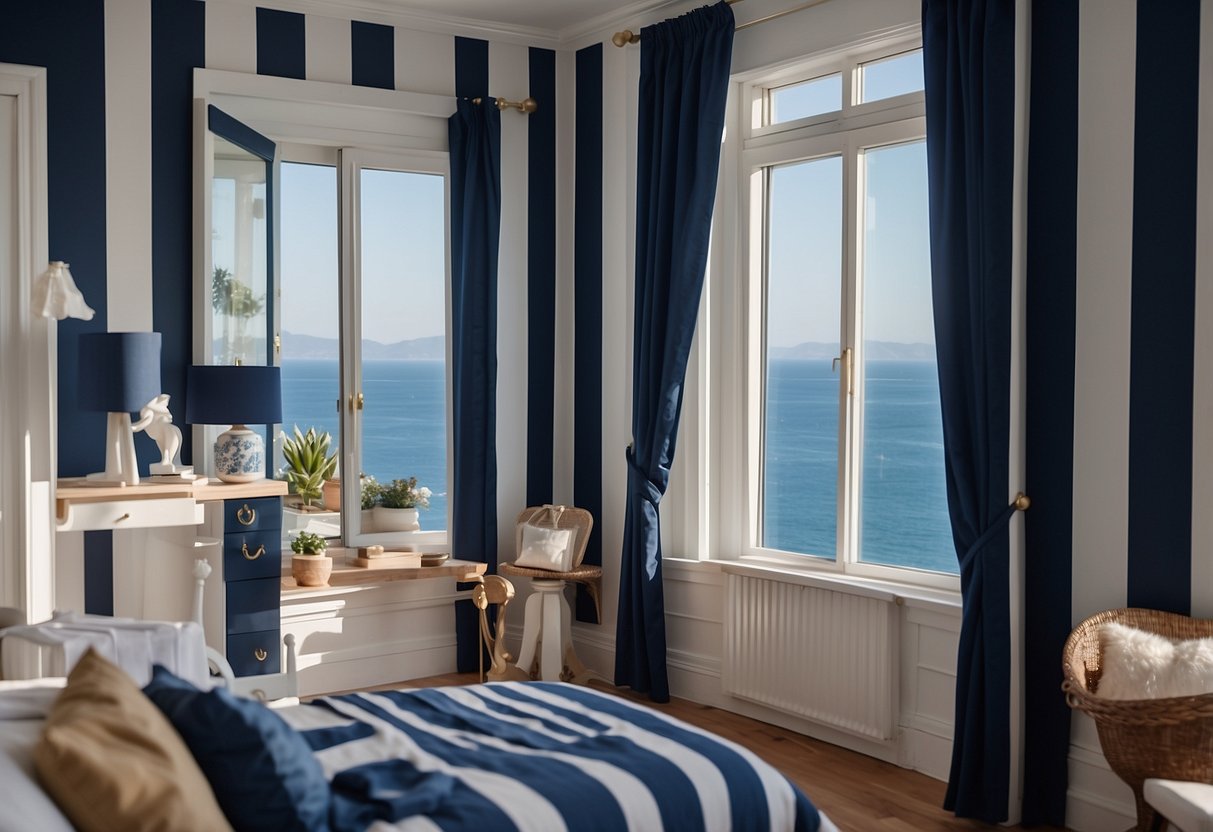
[
  {"x": 348, "y": 638},
  {"x": 1096, "y": 799},
  {"x": 929, "y": 641}
]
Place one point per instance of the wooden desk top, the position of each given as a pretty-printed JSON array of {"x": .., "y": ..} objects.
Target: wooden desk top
[
  {"x": 75, "y": 490},
  {"x": 345, "y": 574}
]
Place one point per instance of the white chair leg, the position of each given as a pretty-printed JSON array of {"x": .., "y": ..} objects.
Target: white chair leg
[
  {"x": 531, "y": 622},
  {"x": 552, "y": 662}
]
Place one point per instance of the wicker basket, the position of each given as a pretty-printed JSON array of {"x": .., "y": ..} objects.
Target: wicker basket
[{"x": 1142, "y": 738}]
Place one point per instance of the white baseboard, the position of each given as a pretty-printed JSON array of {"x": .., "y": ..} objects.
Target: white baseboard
[{"x": 1096, "y": 799}]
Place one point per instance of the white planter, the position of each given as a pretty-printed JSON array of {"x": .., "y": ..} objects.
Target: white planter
[{"x": 395, "y": 519}]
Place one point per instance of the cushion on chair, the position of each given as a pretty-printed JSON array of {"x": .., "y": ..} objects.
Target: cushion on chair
[
  {"x": 546, "y": 548},
  {"x": 111, "y": 760},
  {"x": 261, "y": 769},
  {"x": 1141, "y": 665}
]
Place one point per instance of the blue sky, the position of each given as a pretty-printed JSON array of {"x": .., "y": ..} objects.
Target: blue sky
[{"x": 403, "y": 253}]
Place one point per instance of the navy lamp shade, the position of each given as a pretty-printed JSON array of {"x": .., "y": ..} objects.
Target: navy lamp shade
[
  {"x": 235, "y": 395},
  {"x": 119, "y": 373}
]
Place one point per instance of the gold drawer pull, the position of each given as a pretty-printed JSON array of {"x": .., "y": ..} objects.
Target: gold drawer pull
[
  {"x": 246, "y": 516},
  {"x": 259, "y": 654},
  {"x": 252, "y": 555},
  {"x": 126, "y": 516}
]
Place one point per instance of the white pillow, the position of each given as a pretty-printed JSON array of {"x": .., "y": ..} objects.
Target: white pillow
[
  {"x": 1141, "y": 665},
  {"x": 546, "y": 548}
]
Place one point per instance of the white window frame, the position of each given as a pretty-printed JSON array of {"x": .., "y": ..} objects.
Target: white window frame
[
  {"x": 847, "y": 132},
  {"x": 316, "y": 122}
]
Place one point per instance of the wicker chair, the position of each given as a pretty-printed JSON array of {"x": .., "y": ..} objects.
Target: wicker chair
[{"x": 1142, "y": 738}]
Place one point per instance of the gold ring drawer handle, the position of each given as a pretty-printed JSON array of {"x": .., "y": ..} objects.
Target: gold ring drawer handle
[
  {"x": 246, "y": 516},
  {"x": 259, "y": 654},
  {"x": 252, "y": 555}
]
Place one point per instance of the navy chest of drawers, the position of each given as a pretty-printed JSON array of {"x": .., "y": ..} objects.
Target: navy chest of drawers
[{"x": 252, "y": 565}]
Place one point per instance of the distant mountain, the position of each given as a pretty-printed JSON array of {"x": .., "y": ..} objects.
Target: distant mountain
[
  {"x": 295, "y": 345},
  {"x": 876, "y": 351}
]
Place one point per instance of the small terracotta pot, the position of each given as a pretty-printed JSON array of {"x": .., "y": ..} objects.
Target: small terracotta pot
[
  {"x": 332, "y": 494},
  {"x": 311, "y": 570}
]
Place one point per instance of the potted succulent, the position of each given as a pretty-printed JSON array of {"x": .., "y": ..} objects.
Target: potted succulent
[
  {"x": 309, "y": 565},
  {"x": 397, "y": 503},
  {"x": 309, "y": 463}
]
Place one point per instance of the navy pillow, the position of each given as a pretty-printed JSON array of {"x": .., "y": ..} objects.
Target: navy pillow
[{"x": 262, "y": 770}]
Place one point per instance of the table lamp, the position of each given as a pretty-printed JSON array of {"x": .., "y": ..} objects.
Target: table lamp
[
  {"x": 237, "y": 396},
  {"x": 119, "y": 373}
]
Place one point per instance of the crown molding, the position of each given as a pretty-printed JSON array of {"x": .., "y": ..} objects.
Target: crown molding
[{"x": 632, "y": 16}]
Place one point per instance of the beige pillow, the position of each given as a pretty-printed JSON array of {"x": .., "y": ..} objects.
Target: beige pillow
[{"x": 112, "y": 761}]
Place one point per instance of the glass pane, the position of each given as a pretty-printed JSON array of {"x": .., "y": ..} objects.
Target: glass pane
[
  {"x": 804, "y": 297},
  {"x": 892, "y": 76},
  {"x": 404, "y": 333},
  {"x": 809, "y": 98},
  {"x": 238, "y": 256},
  {"x": 903, "y": 506},
  {"x": 310, "y": 326}
]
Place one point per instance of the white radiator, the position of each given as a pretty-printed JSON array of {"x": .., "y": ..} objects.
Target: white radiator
[{"x": 823, "y": 654}]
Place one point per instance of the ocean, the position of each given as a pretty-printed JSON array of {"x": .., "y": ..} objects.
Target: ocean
[{"x": 904, "y": 512}]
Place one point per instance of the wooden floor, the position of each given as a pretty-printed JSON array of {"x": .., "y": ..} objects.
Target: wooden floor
[{"x": 857, "y": 792}]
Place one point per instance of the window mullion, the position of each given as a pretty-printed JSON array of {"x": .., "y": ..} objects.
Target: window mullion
[{"x": 848, "y": 387}]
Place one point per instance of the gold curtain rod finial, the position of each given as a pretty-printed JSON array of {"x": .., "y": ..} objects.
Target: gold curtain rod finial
[
  {"x": 625, "y": 37},
  {"x": 527, "y": 105}
]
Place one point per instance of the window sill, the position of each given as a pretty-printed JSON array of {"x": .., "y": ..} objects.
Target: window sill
[{"x": 910, "y": 595}]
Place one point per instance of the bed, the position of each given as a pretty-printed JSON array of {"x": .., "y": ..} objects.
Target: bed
[{"x": 511, "y": 755}]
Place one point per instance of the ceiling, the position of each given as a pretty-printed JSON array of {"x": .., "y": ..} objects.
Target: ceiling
[{"x": 550, "y": 15}]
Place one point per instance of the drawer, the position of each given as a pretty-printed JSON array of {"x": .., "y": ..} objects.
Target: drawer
[
  {"x": 251, "y": 515},
  {"x": 130, "y": 514},
  {"x": 253, "y": 605},
  {"x": 252, "y": 654},
  {"x": 252, "y": 555}
]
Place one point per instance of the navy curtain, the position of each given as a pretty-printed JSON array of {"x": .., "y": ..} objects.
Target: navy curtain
[
  {"x": 684, "y": 77},
  {"x": 475, "y": 144},
  {"x": 969, "y": 60}
]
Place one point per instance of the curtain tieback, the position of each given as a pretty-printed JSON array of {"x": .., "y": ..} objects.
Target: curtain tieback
[
  {"x": 1020, "y": 503},
  {"x": 643, "y": 487}
]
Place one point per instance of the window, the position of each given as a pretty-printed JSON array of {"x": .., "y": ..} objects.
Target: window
[
  {"x": 363, "y": 322},
  {"x": 330, "y": 260},
  {"x": 846, "y": 454}
]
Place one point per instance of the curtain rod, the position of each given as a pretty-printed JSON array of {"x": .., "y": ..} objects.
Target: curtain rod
[
  {"x": 628, "y": 36},
  {"x": 527, "y": 105}
]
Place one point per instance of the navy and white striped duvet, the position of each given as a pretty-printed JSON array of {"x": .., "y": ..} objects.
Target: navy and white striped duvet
[{"x": 536, "y": 756}]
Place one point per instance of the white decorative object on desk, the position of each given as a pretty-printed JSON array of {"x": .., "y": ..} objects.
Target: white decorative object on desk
[
  {"x": 158, "y": 424},
  {"x": 55, "y": 295}
]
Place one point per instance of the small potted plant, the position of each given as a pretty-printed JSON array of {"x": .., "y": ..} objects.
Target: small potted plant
[
  {"x": 309, "y": 463},
  {"x": 309, "y": 565},
  {"x": 397, "y": 504}
]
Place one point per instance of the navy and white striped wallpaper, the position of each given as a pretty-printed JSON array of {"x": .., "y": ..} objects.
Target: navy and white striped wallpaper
[
  {"x": 1120, "y": 210},
  {"x": 120, "y": 125}
]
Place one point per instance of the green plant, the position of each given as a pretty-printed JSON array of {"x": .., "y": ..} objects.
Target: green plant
[
  {"x": 309, "y": 544},
  {"x": 310, "y": 463},
  {"x": 404, "y": 494},
  {"x": 370, "y": 492}
]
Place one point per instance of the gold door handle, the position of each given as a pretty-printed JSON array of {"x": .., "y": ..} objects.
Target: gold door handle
[
  {"x": 252, "y": 555},
  {"x": 848, "y": 368},
  {"x": 246, "y": 516},
  {"x": 259, "y": 654}
]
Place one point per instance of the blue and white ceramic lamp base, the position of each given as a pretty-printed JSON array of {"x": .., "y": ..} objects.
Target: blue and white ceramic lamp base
[{"x": 240, "y": 455}]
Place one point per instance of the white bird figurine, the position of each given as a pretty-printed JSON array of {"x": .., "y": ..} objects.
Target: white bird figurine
[{"x": 56, "y": 296}]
